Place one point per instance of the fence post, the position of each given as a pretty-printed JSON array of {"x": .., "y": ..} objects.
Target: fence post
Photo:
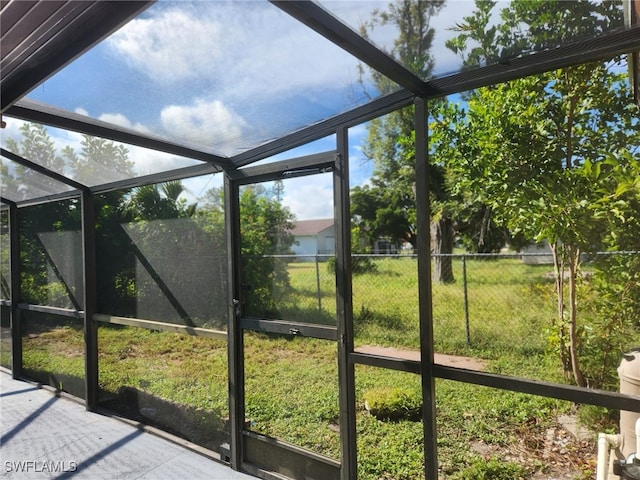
[
  {"x": 466, "y": 299},
  {"x": 318, "y": 284}
]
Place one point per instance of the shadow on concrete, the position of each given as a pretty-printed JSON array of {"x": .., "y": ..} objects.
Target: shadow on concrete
[
  {"x": 44, "y": 407},
  {"x": 100, "y": 455},
  {"x": 7, "y": 394}
]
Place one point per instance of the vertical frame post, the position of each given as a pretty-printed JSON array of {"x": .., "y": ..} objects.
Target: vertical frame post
[
  {"x": 346, "y": 370},
  {"x": 234, "y": 332},
  {"x": 14, "y": 267},
  {"x": 424, "y": 291},
  {"x": 318, "y": 286},
  {"x": 465, "y": 291},
  {"x": 90, "y": 299}
]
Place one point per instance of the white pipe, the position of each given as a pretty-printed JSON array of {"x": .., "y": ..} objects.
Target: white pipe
[
  {"x": 637, "y": 454},
  {"x": 605, "y": 443}
]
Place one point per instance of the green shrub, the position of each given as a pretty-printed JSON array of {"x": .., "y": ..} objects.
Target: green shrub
[
  {"x": 494, "y": 469},
  {"x": 393, "y": 403}
]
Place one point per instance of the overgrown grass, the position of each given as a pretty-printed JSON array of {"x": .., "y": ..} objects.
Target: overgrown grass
[
  {"x": 53, "y": 353},
  {"x": 292, "y": 386}
]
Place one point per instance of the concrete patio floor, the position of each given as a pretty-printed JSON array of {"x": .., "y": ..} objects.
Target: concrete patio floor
[{"x": 48, "y": 436}]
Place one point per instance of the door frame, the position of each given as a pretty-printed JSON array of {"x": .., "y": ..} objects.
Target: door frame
[{"x": 247, "y": 449}]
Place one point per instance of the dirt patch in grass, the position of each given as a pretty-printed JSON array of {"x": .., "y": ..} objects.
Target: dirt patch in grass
[
  {"x": 440, "y": 358},
  {"x": 553, "y": 453}
]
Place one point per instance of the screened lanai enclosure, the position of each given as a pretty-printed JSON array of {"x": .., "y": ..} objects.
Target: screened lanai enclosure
[{"x": 158, "y": 156}]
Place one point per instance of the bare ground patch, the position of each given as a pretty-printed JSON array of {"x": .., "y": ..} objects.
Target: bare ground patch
[{"x": 440, "y": 358}]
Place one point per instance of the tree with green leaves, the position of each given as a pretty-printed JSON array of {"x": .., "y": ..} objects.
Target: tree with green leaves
[
  {"x": 617, "y": 276},
  {"x": 387, "y": 206},
  {"x": 265, "y": 232},
  {"x": 37, "y": 146},
  {"x": 180, "y": 266},
  {"x": 98, "y": 160},
  {"x": 523, "y": 145},
  {"x": 527, "y": 26},
  {"x": 159, "y": 201}
]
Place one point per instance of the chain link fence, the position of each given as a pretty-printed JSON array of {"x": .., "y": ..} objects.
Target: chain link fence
[{"x": 492, "y": 301}]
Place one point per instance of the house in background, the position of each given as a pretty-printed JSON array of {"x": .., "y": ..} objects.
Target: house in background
[
  {"x": 537, "y": 254},
  {"x": 317, "y": 237},
  {"x": 314, "y": 237}
]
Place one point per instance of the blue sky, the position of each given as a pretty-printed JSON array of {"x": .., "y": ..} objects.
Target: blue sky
[{"x": 225, "y": 79}]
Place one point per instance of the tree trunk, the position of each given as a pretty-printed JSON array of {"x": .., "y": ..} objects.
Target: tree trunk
[
  {"x": 558, "y": 264},
  {"x": 442, "y": 248},
  {"x": 574, "y": 262}
]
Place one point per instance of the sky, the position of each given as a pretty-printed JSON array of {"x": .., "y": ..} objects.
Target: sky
[{"x": 225, "y": 77}]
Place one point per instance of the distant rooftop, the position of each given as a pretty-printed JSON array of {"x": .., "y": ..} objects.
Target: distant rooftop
[{"x": 311, "y": 227}]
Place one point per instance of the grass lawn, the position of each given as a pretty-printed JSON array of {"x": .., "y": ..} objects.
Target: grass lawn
[{"x": 291, "y": 383}]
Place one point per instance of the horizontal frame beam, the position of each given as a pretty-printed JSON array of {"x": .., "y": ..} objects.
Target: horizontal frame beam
[
  {"x": 294, "y": 329},
  {"x": 295, "y": 167},
  {"x": 8, "y": 202},
  {"x": 131, "y": 322},
  {"x": 58, "y": 177},
  {"x": 364, "y": 113},
  {"x": 38, "y": 112},
  {"x": 63, "y": 312},
  {"x": 54, "y": 197},
  {"x": 545, "y": 389},
  {"x": 161, "y": 326},
  {"x": 603, "y": 47},
  {"x": 570, "y": 393},
  {"x": 380, "y": 361},
  {"x": 176, "y": 174}
]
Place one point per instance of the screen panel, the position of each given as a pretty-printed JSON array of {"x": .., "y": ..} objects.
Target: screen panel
[
  {"x": 53, "y": 351},
  {"x": 291, "y": 391},
  {"x": 51, "y": 255},
  {"x": 162, "y": 256},
  {"x": 288, "y": 250},
  {"x": 176, "y": 382}
]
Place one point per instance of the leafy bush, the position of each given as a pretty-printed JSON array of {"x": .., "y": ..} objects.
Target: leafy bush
[
  {"x": 605, "y": 336},
  {"x": 599, "y": 419},
  {"x": 393, "y": 403},
  {"x": 494, "y": 469}
]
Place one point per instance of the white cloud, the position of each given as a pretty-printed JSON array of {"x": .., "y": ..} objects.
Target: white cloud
[
  {"x": 123, "y": 121},
  {"x": 12, "y": 129},
  {"x": 310, "y": 197},
  {"x": 256, "y": 49},
  {"x": 241, "y": 52},
  {"x": 201, "y": 120},
  {"x": 209, "y": 62},
  {"x": 171, "y": 46}
]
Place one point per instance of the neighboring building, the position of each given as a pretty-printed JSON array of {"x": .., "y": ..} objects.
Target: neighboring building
[
  {"x": 314, "y": 237},
  {"x": 384, "y": 246},
  {"x": 537, "y": 254}
]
